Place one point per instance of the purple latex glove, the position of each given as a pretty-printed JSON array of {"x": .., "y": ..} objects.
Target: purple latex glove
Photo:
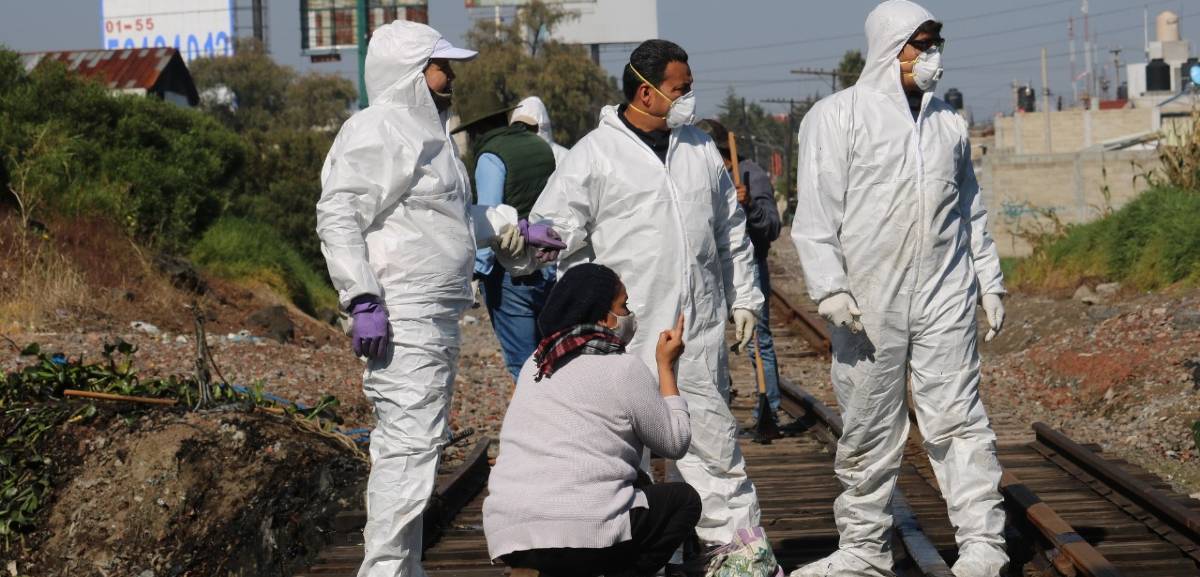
[
  {"x": 370, "y": 332},
  {"x": 541, "y": 236}
]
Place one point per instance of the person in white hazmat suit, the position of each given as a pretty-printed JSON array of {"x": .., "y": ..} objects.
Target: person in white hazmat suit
[
  {"x": 399, "y": 238},
  {"x": 647, "y": 195},
  {"x": 892, "y": 235},
  {"x": 532, "y": 112}
]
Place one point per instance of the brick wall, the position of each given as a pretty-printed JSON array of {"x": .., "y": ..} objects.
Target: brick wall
[{"x": 1017, "y": 187}]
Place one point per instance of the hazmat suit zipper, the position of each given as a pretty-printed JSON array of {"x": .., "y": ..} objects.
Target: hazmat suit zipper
[
  {"x": 666, "y": 167},
  {"x": 920, "y": 252}
]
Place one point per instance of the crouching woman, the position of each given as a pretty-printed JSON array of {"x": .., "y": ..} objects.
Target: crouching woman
[{"x": 564, "y": 497}]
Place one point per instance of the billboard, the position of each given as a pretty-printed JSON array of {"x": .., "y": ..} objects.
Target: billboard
[
  {"x": 195, "y": 27},
  {"x": 328, "y": 25},
  {"x": 608, "y": 22},
  {"x": 599, "y": 21}
]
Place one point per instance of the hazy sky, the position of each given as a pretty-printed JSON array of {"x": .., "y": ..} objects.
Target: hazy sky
[{"x": 749, "y": 44}]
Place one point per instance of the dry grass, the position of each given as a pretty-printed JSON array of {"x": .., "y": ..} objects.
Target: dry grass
[
  {"x": 1179, "y": 158},
  {"x": 37, "y": 285}
]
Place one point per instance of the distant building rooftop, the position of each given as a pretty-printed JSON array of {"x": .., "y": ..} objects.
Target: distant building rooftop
[{"x": 158, "y": 71}]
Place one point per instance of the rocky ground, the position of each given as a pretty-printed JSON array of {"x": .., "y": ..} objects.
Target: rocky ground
[{"x": 301, "y": 371}]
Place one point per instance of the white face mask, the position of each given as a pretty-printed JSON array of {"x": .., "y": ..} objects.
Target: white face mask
[
  {"x": 626, "y": 326},
  {"x": 927, "y": 69},
  {"x": 683, "y": 109}
]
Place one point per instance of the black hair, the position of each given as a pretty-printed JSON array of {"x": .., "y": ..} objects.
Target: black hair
[
  {"x": 932, "y": 27},
  {"x": 583, "y": 295},
  {"x": 651, "y": 59}
]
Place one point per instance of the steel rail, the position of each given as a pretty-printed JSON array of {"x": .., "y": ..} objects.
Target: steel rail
[
  {"x": 1154, "y": 501},
  {"x": 920, "y": 549}
]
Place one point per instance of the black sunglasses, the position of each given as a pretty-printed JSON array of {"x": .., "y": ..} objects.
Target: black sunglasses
[{"x": 925, "y": 45}]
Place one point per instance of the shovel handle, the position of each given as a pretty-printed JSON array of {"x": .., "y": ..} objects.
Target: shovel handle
[{"x": 733, "y": 156}]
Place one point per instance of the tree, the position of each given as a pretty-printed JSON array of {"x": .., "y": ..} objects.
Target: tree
[
  {"x": 850, "y": 68},
  {"x": 760, "y": 135},
  {"x": 519, "y": 59},
  {"x": 69, "y": 147},
  {"x": 288, "y": 121},
  {"x": 270, "y": 95}
]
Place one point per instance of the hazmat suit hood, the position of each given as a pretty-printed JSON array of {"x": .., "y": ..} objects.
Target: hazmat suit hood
[
  {"x": 534, "y": 109},
  {"x": 888, "y": 28},
  {"x": 395, "y": 65}
]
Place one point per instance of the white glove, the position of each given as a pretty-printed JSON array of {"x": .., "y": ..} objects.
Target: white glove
[
  {"x": 744, "y": 322},
  {"x": 993, "y": 309},
  {"x": 510, "y": 242},
  {"x": 841, "y": 310}
]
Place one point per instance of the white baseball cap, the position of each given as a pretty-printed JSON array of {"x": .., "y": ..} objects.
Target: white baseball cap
[{"x": 444, "y": 49}]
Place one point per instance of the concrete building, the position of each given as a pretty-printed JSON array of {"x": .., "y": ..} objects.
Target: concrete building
[{"x": 1080, "y": 163}]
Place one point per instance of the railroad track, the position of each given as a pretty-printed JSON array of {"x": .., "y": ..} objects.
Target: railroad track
[{"x": 1071, "y": 511}]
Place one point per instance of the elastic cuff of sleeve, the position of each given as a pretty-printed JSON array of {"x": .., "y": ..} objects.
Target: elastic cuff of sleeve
[{"x": 676, "y": 402}]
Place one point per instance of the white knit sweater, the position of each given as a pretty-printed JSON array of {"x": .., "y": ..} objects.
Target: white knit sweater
[{"x": 570, "y": 448}]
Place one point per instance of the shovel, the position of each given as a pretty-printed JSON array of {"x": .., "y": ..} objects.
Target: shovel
[{"x": 766, "y": 429}]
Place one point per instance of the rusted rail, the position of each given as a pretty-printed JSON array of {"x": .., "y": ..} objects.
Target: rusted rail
[
  {"x": 812, "y": 328},
  {"x": 1159, "y": 504},
  {"x": 1047, "y": 532}
]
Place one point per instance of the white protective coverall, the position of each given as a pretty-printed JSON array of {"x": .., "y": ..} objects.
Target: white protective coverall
[
  {"x": 534, "y": 109},
  {"x": 889, "y": 211},
  {"x": 393, "y": 220},
  {"x": 676, "y": 236}
]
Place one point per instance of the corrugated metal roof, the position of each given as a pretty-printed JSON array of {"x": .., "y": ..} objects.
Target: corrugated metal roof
[{"x": 126, "y": 68}]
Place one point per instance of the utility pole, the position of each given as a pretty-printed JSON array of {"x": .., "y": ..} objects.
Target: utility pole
[
  {"x": 1116, "y": 52},
  {"x": 1087, "y": 56},
  {"x": 257, "y": 11},
  {"x": 1071, "y": 40},
  {"x": 363, "y": 34},
  {"x": 832, "y": 74},
  {"x": 790, "y": 152},
  {"x": 1046, "y": 100}
]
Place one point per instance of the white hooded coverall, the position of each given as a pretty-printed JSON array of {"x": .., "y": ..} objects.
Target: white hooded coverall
[
  {"x": 393, "y": 220},
  {"x": 534, "y": 109},
  {"x": 889, "y": 211},
  {"x": 676, "y": 237}
]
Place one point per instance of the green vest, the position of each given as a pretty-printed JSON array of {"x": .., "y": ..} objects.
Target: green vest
[{"x": 528, "y": 164}]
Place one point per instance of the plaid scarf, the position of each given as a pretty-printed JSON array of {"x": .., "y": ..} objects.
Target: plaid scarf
[{"x": 585, "y": 339}]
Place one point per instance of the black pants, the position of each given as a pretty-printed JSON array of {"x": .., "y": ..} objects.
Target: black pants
[{"x": 674, "y": 510}]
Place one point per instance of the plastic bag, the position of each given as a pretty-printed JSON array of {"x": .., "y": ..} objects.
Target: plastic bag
[{"x": 748, "y": 555}]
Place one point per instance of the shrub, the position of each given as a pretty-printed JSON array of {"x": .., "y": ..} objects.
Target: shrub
[
  {"x": 162, "y": 171},
  {"x": 242, "y": 249},
  {"x": 1150, "y": 243}
]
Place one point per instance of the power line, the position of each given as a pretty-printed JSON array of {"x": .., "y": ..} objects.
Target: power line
[
  {"x": 960, "y": 64},
  {"x": 966, "y": 39},
  {"x": 859, "y": 33},
  {"x": 1006, "y": 61}
]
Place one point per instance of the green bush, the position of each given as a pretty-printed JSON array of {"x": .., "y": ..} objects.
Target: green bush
[
  {"x": 237, "y": 248},
  {"x": 1150, "y": 243},
  {"x": 163, "y": 171},
  {"x": 288, "y": 121}
]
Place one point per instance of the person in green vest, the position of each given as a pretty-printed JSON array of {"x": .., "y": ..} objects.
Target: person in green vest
[{"x": 512, "y": 166}]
